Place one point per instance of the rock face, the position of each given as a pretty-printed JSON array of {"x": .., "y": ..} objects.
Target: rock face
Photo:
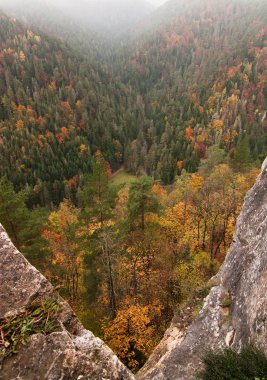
[
  {"x": 235, "y": 312},
  {"x": 70, "y": 353}
]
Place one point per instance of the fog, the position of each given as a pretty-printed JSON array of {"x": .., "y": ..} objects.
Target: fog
[
  {"x": 157, "y": 3},
  {"x": 109, "y": 17}
]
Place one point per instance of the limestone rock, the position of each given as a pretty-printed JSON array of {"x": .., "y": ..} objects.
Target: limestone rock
[
  {"x": 235, "y": 311},
  {"x": 71, "y": 353}
]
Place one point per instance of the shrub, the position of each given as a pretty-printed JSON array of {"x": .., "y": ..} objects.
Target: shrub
[{"x": 250, "y": 364}]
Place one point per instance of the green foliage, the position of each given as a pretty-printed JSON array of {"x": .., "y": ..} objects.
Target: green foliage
[
  {"x": 23, "y": 225},
  {"x": 250, "y": 364},
  {"x": 122, "y": 178},
  {"x": 56, "y": 109},
  {"x": 37, "y": 318},
  {"x": 157, "y": 102},
  {"x": 214, "y": 156},
  {"x": 242, "y": 159},
  {"x": 142, "y": 200},
  {"x": 97, "y": 196},
  {"x": 13, "y": 212}
]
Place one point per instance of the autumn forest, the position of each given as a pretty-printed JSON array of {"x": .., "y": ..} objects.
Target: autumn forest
[{"x": 124, "y": 163}]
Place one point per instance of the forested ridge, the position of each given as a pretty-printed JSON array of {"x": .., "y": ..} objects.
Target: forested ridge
[{"x": 181, "y": 112}]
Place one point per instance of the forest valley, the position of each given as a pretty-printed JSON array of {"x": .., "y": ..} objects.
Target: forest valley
[
  {"x": 182, "y": 108},
  {"x": 129, "y": 256}
]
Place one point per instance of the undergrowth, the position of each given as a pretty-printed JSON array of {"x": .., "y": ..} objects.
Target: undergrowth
[
  {"x": 249, "y": 364},
  {"x": 16, "y": 329}
]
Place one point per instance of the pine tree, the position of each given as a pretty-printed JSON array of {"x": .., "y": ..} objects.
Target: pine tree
[
  {"x": 13, "y": 212},
  {"x": 142, "y": 200}
]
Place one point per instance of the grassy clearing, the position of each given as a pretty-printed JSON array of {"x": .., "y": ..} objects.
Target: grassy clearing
[{"x": 122, "y": 178}]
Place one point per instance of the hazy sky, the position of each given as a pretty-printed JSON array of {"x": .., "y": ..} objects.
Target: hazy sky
[
  {"x": 154, "y": 2},
  {"x": 157, "y": 2}
]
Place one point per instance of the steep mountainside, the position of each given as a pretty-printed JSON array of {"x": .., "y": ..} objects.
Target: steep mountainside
[
  {"x": 47, "y": 17},
  {"x": 202, "y": 77},
  {"x": 197, "y": 79},
  {"x": 57, "y": 108}
]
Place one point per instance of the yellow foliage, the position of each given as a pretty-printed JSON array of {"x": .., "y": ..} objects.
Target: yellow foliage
[
  {"x": 131, "y": 333},
  {"x": 22, "y": 56},
  {"x": 200, "y": 138},
  {"x": 160, "y": 191},
  {"x": 37, "y": 39},
  {"x": 233, "y": 99},
  {"x": 79, "y": 104},
  {"x": 217, "y": 125},
  {"x": 83, "y": 148},
  {"x": 196, "y": 182},
  {"x": 61, "y": 232},
  {"x": 52, "y": 86},
  {"x": 211, "y": 102}
]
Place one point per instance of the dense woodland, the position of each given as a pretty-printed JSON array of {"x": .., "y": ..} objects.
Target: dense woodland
[{"x": 181, "y": 112}]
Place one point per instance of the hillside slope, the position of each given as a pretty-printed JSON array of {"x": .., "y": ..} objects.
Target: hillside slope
[
  {"x": 56, "y": 109},
  {"x": 197, "y": 79},
  {"x": 201, "y": 71}
]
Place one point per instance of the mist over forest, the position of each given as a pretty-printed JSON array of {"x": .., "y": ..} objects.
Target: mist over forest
[{"x": 106, "y": 17}]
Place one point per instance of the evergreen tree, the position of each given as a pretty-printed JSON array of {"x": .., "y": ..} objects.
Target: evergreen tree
[
  {"x": 97, "y": 196},
  {"x": 241, "y": 159},
  {"x": 13, "y": 213},
  {"x": 142, "y": 200}
]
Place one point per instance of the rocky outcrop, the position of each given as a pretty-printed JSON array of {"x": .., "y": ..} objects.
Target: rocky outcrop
[
  {"x": 235, "y": 312},
  {"x": 69, "y": 353}
]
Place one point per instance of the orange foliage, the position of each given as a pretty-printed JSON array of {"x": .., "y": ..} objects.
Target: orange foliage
[
  {"x": 180, "y": 165},
  {"x": 131, "y": 333},
  {"x": 63, "y": 135},
  {"x": 73, "y": 182},
  {"x": 159, "y": 190},
  {"x": 20, "y": 124},
  {"x": 189, "y": 133}
]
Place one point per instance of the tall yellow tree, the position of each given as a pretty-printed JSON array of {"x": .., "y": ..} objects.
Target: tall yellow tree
[{"x": 61, "y": 234}]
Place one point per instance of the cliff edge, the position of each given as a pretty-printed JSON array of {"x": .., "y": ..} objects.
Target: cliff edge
[{"x": 70, "y": 352}]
